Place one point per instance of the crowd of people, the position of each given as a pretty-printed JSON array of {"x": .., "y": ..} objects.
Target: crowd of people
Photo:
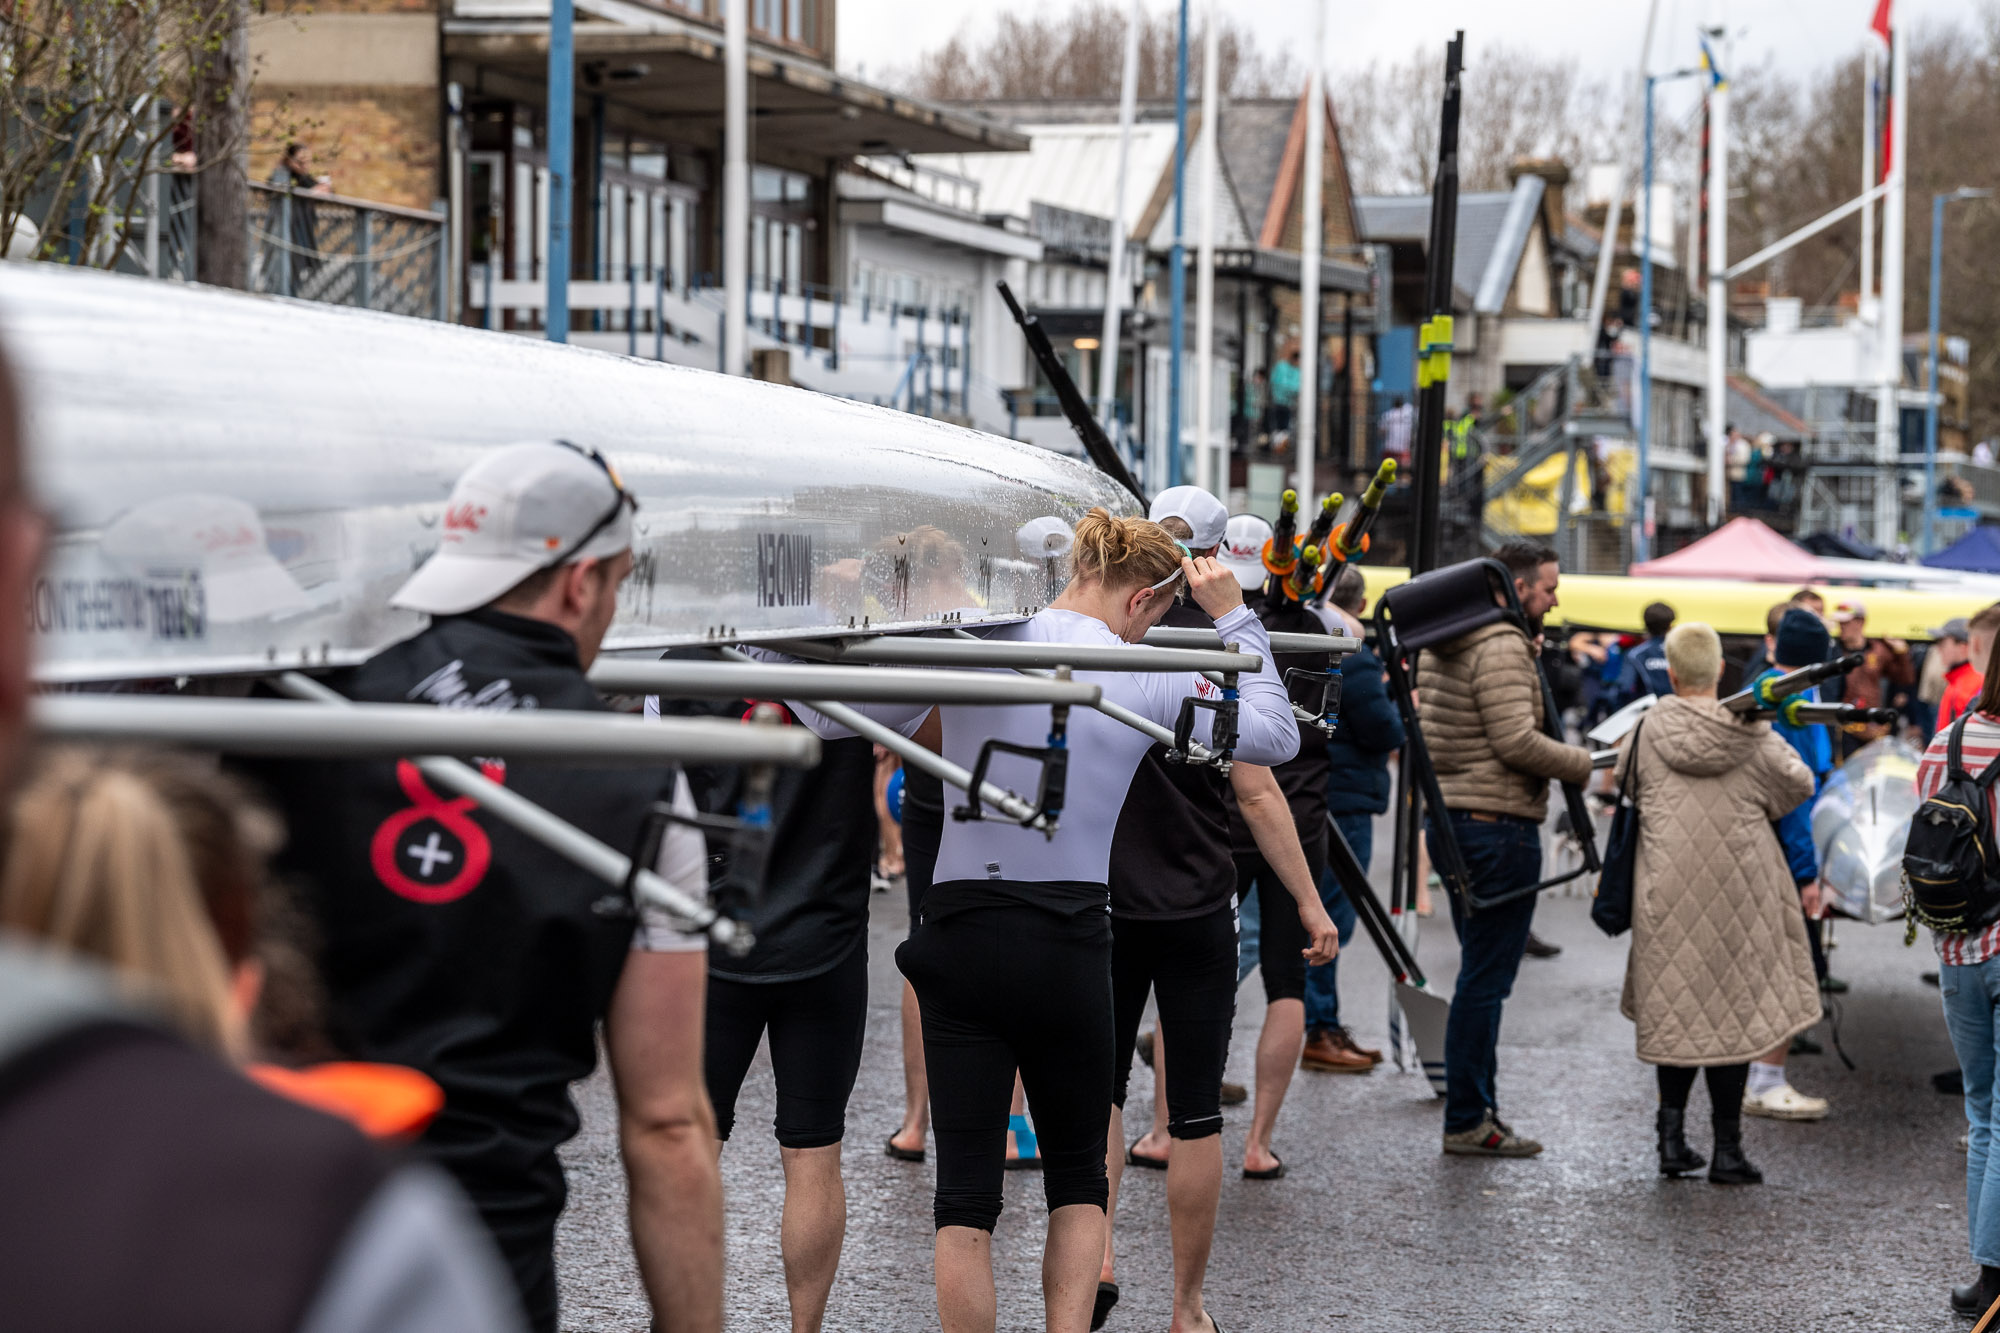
[{"x": 303, "y": 1034}]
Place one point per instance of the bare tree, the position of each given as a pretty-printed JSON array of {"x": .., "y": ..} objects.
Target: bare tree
[
  {"x": 88, "y": 108},
  {"x": 1517, "y": 104},
  {"x": 1080, "y": 54},
  {"x": 221, "y": 114}
]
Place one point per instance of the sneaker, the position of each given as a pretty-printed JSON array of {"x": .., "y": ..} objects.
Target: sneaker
[
  {"x": 1234, "y": 1094},
  {"x": 1332, "y": 1051},
  {"x": 1490, "y": 1138},
  {"x": 1541, "y": 948},
  {"x": 1784, "y": 1102}
]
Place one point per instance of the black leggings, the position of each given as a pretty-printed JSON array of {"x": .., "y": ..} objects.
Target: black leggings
[
  {"x": 1725, "y": 1091},
  {"x": 1006, "y": 987},
  {"x": 816, "y": 1026},
  {"x": 1191, "y": 964},
  {"x": 1281, "y": 936}
]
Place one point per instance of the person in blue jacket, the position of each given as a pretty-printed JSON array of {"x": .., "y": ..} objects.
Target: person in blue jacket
[
  {"x": 1357, "y": 790},
  {"x": 1644, "y": 669},
  {"x": 1801, "y": 640}
]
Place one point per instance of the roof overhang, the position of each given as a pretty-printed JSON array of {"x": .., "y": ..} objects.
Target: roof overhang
[
  {"x": 1283, "y": 268},
  {"x": 672, "y": 80},
  {"x": 916, "y": 220}
]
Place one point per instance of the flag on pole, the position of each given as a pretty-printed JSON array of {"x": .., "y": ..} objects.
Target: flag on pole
[
  {"x": 1881, "y": 28},
  {"x": 1716, "y": 78}
]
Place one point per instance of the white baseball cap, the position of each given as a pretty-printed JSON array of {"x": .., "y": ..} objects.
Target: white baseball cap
[
  {"x": 218, "y": 539},
  {"x": 1205, "y": 515},
  {"x": 1242, "y": 553},
  {"x": 1045, "y": 538},
  {"x": 520, "y": 509}
]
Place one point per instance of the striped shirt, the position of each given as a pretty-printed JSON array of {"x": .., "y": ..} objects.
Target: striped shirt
[{"x": 1980, "y": 747}]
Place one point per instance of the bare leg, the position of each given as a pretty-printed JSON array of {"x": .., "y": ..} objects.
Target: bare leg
[
  {"x": 916, "y": 1082},
  {"x": 1114, "y": 1170},
  {"x": 1155, "y": 1142},
  {"x": 1069, "y": 1267},
  {"x": 1194, "y": 1184},
  {"x": 966, "y": 1303},
  {"x": 815, "y": 1222},
  {"x": 1777, "y": 1057},
  {"x": 889, "y": 850},
  {"x": 1284, "y": 1036}
]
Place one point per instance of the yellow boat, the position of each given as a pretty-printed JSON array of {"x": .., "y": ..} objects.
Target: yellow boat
[{"x": 1615, "y": 602}]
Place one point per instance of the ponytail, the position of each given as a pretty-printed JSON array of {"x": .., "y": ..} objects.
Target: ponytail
[
  {"x": 1123, "y": 552},
  {"x": 100, "y": 860}
]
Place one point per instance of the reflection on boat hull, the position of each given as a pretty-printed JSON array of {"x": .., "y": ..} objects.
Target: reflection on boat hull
[
  {"x": 238, "y": 483},
  {"x": 1859, "y": 825}
]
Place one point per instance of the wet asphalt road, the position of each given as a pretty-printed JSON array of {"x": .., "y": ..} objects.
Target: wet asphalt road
[{"x": 1861, "y": 1224}]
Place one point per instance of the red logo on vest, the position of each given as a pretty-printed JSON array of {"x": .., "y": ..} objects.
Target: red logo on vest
[{"x": 432, "y": 852}]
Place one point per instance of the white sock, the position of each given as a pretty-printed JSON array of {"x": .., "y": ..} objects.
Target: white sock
[{"x": 1765, "y": 1077}]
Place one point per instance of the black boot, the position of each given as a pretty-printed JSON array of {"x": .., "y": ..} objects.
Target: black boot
[
  {"x": 1730, "y": 1166},
  {"x": 1676, "y": 1158},
  {"x": 1970, "y": 1301}
]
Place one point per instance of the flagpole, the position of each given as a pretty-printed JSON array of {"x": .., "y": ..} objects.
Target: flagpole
[
  {"x": 1871, "y": 60},
  {"x": 1889, "y": 329},
  {"x": 1312, "y": 238},
  {"x": 1177, "y": 262},
  {"x": 1716, "y": 404},
  {"x": 1206, "y": 471},
  {"x": 1115, "y": 280}
]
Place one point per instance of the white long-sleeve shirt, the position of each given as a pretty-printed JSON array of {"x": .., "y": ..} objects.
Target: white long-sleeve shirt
[{"x": 1103, "y": 754}]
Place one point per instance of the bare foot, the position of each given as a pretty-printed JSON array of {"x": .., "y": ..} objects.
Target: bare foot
[
  {"x": 1256, "y": 1158},
  {"x": 908, "y": 1138},
  {"x": 1155, "y": 1145}
]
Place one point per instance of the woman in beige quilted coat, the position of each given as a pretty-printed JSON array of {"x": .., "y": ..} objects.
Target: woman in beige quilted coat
[{"x": 1720, "y": 971}]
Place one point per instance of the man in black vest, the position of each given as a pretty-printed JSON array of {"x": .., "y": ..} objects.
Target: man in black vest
[{"x": 453, "y": 944}]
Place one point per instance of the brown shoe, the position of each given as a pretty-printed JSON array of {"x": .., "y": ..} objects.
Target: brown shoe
[
  {"x": 1234, "y": 1094},
  {"x": 1333, "y": 1052}
]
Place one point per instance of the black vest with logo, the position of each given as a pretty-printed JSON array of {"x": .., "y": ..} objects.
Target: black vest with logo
[
  {"x": 453, "y": 944},
  {"x": 1170, "y": 854}
]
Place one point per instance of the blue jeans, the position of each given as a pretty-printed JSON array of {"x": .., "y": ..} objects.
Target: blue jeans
[
  {"x": 1500, "y": 853},
  {"x": 1249, "y": 926},
  {"x": 1972, "y": 1013},
  {"x": 1322, "y": 995}
]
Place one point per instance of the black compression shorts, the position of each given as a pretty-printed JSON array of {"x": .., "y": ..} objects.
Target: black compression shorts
[{"x": 816, "y": 1025}]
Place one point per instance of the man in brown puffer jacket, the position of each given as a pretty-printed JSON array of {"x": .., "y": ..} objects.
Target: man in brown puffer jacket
[{"x": 1482, "y": 722}]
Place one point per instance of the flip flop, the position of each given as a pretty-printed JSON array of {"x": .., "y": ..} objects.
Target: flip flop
[
  {"x": 1025, "y": 1143},
  {"x": 1133, "y": 1157},
  {"x": 890, "y": 1149},
  {"x": 1274, "y": 1173},
  {"x": 1107, "y": 1296}
]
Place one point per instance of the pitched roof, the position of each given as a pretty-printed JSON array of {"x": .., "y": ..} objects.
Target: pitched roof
[
  {"x": 1493, "y": 229},
  {"x": 1253, "y": 146}
]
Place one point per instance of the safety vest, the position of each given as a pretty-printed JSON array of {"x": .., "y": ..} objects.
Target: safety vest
[{"x": 1461, "y": 435}]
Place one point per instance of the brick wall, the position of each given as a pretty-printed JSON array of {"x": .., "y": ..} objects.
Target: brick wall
[{"x": 379, "y": 144}]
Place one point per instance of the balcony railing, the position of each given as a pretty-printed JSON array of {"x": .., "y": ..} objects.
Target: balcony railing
[{"x": 318, "y": 247}]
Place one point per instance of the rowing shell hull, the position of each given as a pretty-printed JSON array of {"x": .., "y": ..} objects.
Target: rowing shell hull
[
  {"x": 1860, "y": 823},
  {"x": 240, "y": 483}
]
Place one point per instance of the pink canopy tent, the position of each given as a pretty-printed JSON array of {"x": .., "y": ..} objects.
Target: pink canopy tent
[{"x": 1742, "y": 548}]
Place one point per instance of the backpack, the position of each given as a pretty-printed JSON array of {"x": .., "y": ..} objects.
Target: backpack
[{"x": 1951, "y": 870}]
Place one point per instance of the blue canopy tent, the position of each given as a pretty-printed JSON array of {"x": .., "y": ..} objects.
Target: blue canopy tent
[{"x": 1978, "y": 552}]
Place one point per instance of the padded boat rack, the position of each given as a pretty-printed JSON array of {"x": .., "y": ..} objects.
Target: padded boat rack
[{"x": 1434, "y": 609}]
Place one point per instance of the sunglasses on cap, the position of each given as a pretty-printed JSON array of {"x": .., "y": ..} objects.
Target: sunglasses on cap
[{"x": 618, "y": 505}]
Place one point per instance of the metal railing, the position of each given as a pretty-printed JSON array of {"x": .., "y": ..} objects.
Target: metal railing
[
  {"x": 318, "y": 247},
  {"x": 325, "y": 247}
]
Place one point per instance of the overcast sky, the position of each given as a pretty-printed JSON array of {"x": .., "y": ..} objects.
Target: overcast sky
[{"x": 1799, "y": 36}]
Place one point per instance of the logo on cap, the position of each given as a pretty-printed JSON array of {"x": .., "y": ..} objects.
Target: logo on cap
[{"x": 463, "y": 517}]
